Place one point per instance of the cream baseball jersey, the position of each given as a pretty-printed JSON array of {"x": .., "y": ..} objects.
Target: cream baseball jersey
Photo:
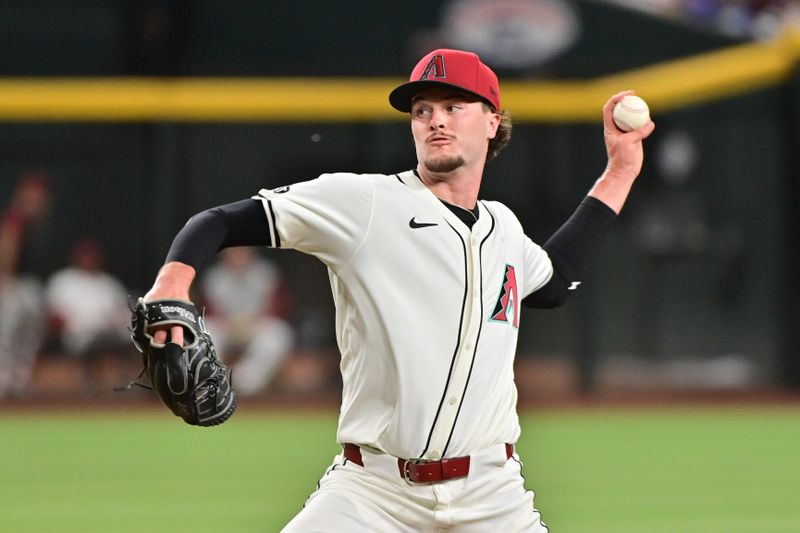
[{"x": 427, "y": 310}]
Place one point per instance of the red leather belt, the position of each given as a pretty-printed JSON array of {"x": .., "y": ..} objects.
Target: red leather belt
[{"x": 418, "y": 471}]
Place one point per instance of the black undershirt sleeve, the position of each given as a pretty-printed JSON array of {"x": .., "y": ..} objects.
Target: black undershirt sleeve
[
  {"x": 572, "y": 250},
  {"x": 241, "y": 223}
]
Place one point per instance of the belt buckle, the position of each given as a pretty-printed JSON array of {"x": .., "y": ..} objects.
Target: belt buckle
[{"x": 406, "y": 473}]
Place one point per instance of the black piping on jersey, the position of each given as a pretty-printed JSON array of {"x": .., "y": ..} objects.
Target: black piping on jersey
[
  {"x": 477, "y": 339},
  {"x": 276, "y": 238},
  {"x": 458, "y": 341}
]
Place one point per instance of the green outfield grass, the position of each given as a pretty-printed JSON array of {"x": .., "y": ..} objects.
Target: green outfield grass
[{"x": 702, "y": 470}]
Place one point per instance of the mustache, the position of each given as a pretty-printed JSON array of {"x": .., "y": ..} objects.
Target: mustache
[{"x": 439, "y": 136}]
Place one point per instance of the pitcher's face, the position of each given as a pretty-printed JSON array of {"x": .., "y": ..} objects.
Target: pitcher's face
[{"x": 451, "y": 129}]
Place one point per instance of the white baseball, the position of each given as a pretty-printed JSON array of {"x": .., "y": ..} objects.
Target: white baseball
[{"x": 631, "y": 113}]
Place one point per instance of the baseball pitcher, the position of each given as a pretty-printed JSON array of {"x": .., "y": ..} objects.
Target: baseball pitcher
[{"x": 429, "y": 283}]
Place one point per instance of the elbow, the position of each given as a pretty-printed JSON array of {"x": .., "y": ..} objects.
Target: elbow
[
  {"x": 557, "y": 300},
  {"x": 553, "y": 300}
]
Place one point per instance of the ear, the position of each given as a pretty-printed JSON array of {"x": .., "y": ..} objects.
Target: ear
[{"x": 494, "y": 123}]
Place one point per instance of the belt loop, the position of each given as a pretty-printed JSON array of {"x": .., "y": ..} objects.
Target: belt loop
[{"x": 352, "y": 453}]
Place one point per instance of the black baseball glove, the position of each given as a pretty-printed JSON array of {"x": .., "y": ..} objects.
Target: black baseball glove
[{"x": 190, "y": 380}]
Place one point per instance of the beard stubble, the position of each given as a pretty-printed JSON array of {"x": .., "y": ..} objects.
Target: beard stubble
[{"x": 444, "y": 164}]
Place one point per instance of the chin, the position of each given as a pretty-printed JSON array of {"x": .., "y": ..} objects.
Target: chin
[{"x": 444, "y": 164}]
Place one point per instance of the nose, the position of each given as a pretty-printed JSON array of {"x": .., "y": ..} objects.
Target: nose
[{"x": 437, "y": 120}]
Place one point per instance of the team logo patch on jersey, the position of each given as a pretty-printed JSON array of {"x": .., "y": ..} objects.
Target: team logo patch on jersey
[
  {"x": 281, "y": 190},
  {"x": 507, "y": 307}
]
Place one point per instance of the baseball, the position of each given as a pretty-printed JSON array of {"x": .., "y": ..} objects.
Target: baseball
[{"x": 631, "y": 113}]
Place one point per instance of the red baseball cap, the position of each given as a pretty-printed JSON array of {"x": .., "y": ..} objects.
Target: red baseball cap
[{"x": 450, "y": 68}]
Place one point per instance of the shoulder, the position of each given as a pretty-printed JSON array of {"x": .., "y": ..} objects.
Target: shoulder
[
  {"x": 111, "y": 282},
  {"x": 63, "y": 278},
  {"x": 347, "y": 178},
  {"x": 327, "y": 184},
  {"x": 501, "y": 212},
  {"x": 264, "y": 267},
  {"x": 505, "y": 221}
]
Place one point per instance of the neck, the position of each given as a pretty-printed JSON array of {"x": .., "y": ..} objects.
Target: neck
[{"x": 457, "y": 187}]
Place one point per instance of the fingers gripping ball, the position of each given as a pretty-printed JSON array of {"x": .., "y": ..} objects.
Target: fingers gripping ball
[
  {"x": 631, "y": 113},
  {"x": 189, "y": 379}
]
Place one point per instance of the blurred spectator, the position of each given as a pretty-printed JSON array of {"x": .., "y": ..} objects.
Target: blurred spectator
[
  {"x": 756, "y": 19},
  {"x": 21, "y": 309},
  {"x": 246, "y": 308},
  {"x": 88, "y": 307}
]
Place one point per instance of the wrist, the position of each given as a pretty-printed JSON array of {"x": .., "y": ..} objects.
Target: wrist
[
  {"x": 173, "y": 282},
  {"x": 618, "y": 178}
]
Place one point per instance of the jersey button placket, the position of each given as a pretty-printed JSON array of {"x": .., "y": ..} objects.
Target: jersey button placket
[{"x": 471, "y": 322}]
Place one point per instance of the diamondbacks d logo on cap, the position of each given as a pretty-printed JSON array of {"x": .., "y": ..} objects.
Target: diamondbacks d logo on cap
[{"x": 434, "y": 69}]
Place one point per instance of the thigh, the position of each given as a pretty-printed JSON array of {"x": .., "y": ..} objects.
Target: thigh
[
  {"x": 349, "y": 500},
  {"x": 499, "y": 502}
]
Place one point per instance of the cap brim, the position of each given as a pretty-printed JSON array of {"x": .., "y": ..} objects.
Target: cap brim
[{"x": 401, "y": 97}]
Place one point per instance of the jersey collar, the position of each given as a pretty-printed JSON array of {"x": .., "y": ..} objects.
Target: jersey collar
[{"x": 481, "y": 227}]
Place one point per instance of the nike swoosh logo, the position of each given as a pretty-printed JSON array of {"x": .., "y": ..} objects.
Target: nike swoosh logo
[{"x": 414, "y": 224}]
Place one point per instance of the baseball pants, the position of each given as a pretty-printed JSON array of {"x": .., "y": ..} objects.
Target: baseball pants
[{"x": 351, "y": 498}]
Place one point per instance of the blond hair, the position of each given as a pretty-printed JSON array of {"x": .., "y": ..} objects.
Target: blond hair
[{"x": 503, "y": 136}]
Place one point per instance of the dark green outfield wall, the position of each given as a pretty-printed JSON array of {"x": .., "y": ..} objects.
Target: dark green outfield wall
[{"x": 133, "y": 185}]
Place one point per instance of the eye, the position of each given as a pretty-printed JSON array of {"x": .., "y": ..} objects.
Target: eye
[
  {"x": 453, "y": 108},
  {"x": 421, "y": 112}
]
